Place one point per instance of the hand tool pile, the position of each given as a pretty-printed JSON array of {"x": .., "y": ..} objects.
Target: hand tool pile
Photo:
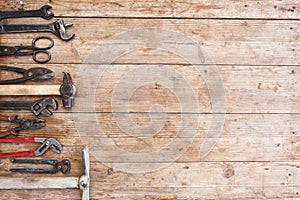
[{"x": 10, "y": 87}]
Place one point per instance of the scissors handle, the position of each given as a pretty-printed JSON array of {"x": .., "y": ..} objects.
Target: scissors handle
[
  {"x": 41, "y": 50},
  {"x": 39, "y": 53},
  {"x": 44, "y": 59},
  {"x": 38, "y": 39}
]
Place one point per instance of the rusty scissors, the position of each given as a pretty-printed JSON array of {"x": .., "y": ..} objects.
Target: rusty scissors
[{"x": 34, "y": 50}]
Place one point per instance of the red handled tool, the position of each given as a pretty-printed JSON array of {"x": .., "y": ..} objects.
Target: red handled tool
[{"x": 46, "y": 144}]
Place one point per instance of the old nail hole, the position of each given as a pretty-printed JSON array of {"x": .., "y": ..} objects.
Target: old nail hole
[
  {"x": 292, "y": 9},
  {"x": 110, "y": 171},
  {"x": 291, "y": 28},
  {"x": 228, "y": 171},
  {"x": 246, "y": 6},
  {"x": 293, "y": 72}
]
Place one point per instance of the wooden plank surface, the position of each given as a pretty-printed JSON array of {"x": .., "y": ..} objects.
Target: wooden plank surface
[
  {"x": 253, "y": 45},
  {"x": 288, "y": 9},
  {"x": 238, "y": 42},
  {"x": 248, "y": 89}
]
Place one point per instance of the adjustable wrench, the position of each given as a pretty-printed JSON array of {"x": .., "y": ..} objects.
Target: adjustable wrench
[
  {"x": 42, "y": 12},
  {"x": 58, "y": 28},
  {"x": 37, "y": 107}
]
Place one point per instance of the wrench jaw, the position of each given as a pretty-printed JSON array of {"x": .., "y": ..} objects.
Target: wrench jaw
[
  {"x": 59, "y": 29},
  {"x": 45, "y": 11},
  {"x": 55, "y": 145},
  {"x": 46, "y": 144},
  {"x": 40, "y": 107}
]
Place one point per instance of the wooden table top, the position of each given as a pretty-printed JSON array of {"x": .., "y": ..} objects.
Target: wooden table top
[{"x": 176, "y": 99}]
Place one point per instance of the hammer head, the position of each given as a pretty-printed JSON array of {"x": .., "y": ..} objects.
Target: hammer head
[
  {"x": 67, "y": 91},
  {"x": 84, "y": 182}
]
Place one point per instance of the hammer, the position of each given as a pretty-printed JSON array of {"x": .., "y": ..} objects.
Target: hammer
[
  {"x": 67, "y": 90},
  {"x": 26, "y": 183}
]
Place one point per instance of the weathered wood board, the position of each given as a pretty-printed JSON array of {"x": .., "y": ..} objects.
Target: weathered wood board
[
  {"x": 252, "y": 45},
  {"x": 267, "y": 9},
  {"x": 237, "y": 42}
]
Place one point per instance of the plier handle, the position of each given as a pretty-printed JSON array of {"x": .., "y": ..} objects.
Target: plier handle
[
  {"x": 35, "y": 123},
  {"x": 46, "y": 144},
  {"x": 64, "y": 166}
]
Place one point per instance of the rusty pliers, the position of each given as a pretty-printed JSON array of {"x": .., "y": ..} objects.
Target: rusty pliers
[
  {"x": 33, "y": 74},
  {"x": 34, "y": 123},
  {"x": 64, "y": 166}
]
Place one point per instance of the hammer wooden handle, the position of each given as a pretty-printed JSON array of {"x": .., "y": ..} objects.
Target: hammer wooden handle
[
  {"x": 39, "y": 183},
  {"x": 18, "y": 90}
]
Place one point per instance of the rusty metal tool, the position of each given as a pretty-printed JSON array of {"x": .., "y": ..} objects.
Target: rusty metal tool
[
  {"x": 37, "y": 106},
  {"x": 32, "y": 74},
  {"x": 34, "y": 50},
  {"x": 43, "y": 12},
  {"x": 35, "y": 123},
  {"x": 66, "y": 90},
  {"x": 58, "y": 28},
  {"x": 26, "y": 183},
  {"x": 64, "y": 166},
  {"x": 46, "y": 144}
]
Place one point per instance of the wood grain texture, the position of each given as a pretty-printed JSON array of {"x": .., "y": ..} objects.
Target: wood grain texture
[
  {"x": 288, "y": 9},
  {"x": 237, "y": 42},
  {"x": 255, "y": 48},
  {"x": 247, "y": 89},
  {"x": 21, "y": 90},
  {"x": 188, "y": 181},
  {"x": 244, "y": 137},
  {"x": 40, "y": 183}
]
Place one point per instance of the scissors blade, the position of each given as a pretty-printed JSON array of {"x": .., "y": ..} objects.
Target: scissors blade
[{"x": 7, "y": 51}]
